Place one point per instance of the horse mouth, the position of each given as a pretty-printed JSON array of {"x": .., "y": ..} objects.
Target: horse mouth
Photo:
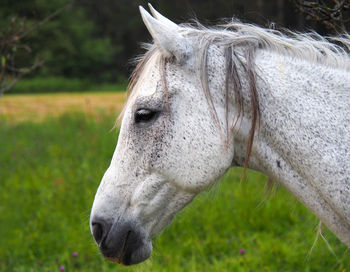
[
  {"x": 123, "y": 257},
  {"x": 117, "y": 261}
]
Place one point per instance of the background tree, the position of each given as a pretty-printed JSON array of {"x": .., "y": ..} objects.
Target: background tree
[
  {"x": 13, "y": 32},
  {"x": 9, "y": 45},
  {"x": 95, "y": 40},
  {"x": 67, "y": 43},
  {"x": 333, "y": 14}
]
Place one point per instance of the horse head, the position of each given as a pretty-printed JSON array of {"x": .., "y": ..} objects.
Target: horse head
[{"x": 169, "y": 147}]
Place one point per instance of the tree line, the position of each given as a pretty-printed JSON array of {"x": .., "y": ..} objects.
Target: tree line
[{"x": 97, "y": 39}]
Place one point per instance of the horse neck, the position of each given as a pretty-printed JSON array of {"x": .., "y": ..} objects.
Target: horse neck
[
  {"x": 297, "y": 99},
  {"x": 304, "y": 134}
]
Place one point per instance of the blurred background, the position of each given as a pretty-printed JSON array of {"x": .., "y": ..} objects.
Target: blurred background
[
  {"x": 63, "y": 74},
  {"x": 84, "y": 43}
]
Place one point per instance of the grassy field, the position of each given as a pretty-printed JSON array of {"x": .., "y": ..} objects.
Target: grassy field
[
  {"x": 50, "y": 169},
  {"x": 37, "y": 107}
]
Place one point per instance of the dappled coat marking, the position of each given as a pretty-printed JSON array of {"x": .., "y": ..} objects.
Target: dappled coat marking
[{"x": 203, "y": 100}]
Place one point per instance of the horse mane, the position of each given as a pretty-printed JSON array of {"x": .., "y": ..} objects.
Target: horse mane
[{"x": 330, "y": 51}]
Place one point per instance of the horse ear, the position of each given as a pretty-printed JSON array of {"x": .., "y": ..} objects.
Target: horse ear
[
  {"x": 162, "y": 18},
  {"x": 166, "y": 35}
]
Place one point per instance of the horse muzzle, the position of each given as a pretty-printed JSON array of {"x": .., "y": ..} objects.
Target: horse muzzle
[{"x": 121, "y": 242}]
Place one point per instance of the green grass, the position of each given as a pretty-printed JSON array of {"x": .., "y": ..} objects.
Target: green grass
[
  {"x": 62, "y": 84},
  {"x": 49, "y": 173}
]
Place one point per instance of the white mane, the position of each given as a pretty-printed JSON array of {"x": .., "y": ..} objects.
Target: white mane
[{"x": 332, "y": 51}]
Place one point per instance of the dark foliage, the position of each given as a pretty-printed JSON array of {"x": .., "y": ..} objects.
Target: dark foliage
[
  {"x": 334, "y": 14},
  {"x": 96, "y": 39}
]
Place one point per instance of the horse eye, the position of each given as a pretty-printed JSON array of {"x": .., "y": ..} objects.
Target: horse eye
[{"x": 144, "y": 115}]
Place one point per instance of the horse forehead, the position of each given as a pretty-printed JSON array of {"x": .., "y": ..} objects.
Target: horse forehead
[
  {"x": 148, "y": 86},
  {"x": 149, "y": 80}
]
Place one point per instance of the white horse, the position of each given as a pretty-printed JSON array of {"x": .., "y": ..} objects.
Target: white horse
[{"x": 203, "y": 100}]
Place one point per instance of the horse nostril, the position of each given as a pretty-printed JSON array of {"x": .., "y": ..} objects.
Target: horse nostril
[
  {"x": 99, "y": 230},
  {"x": 118, "y": 241}
]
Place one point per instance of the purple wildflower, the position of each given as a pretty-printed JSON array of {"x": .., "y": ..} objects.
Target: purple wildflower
[
  {"x": 62, "y": 268},
  {"x": 75, "y": 254},
  {"x": 242, "y": 251}
]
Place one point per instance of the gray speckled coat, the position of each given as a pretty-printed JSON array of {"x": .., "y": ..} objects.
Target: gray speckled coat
[{"x": 172, "y": 139}]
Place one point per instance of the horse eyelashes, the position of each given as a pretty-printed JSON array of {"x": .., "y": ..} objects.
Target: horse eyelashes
[{"x": 144, "y": 115}]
